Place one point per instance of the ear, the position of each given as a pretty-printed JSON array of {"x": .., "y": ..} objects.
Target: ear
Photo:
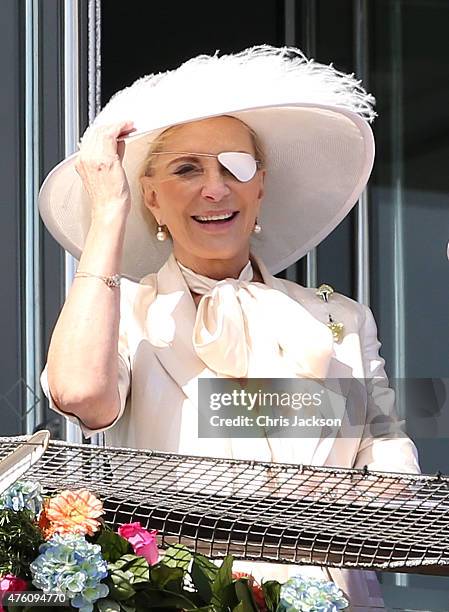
[
  {"x": 150, "y": 196},
  {"x": 261, "y": 193}
]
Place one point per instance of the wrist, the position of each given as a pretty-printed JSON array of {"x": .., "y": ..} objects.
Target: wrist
[
  {"x": 108, "y": 227},
  {"x": 114, "y": 215},
  {"x": 111, "y": 281},
  {"x": 102, "y": 253}
]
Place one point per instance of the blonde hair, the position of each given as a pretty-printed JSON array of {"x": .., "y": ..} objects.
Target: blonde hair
[{"x": 159, "y": 142}]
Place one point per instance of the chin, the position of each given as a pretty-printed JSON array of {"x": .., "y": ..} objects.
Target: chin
[{"x": 224, "y": 253}]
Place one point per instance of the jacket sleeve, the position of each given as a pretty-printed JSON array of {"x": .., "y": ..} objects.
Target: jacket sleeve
[{"x": 384, "y": 446}]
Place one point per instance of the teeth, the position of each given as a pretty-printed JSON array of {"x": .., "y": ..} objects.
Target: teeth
[{"x": 214, "y": 217}]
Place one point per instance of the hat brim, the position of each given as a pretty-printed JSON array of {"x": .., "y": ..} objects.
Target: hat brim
[{"x": 318, "y": 161}]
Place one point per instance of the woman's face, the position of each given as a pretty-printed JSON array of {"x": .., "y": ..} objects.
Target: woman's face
[{"x": 184, "y": 191}]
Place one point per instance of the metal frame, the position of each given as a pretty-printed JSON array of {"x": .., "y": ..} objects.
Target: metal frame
[
  {"x": 72, "y": 119},
  {"x": 71, "y": 136},
  {"x": 94, "y": 91},
  {"x": 290, "y": 37},
  {"x": 397, "y": 140},
  {"x": 94, "y": 58},
  {"x": 361, "y": 18},
  {"x": 290, "y": 40},
  {"x": 310, "y": 21},
  {"x": 32, "y": 318}
]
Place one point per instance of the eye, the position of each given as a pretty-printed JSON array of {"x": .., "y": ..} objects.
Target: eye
[{"x": 186, "y": 169}]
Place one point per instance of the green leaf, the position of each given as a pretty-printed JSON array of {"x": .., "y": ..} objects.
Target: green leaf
[
  {"x": 137, "y": 566},
  {"x": 125, "y": 560},
  {"x": 208, "y": 566},
  {"x": 228, "y": 597},
  {"x": 112, "y": 545},
  {"x": 177, "y": 556},
  {"x": 244, "y": 595},
  {"x": 140, "y": 569},
  {"x": 222, "y": 579},
  {"x": 120, "y": 585},
  {"x": 203, "y": 574},
  {"x": 127, "y": 607},
  {"x": 224, "y": 574},
  {"x": 161, "y": 575},
  {"x": 152, "y": 598},
  {"x": 272, "y": 593},
  {"x": 107, "y": 605},
  {"x": 20, "y": 538}
]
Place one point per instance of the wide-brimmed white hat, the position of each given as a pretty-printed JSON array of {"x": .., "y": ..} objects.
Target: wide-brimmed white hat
[{"x": 311, "y": 119}]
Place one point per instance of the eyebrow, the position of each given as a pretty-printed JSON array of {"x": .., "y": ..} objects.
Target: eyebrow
[{"x": 189, "y": 157}]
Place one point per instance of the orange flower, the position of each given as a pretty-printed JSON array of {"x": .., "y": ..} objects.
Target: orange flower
[
  {"x": 72, "y": 512},
  {"x": 43, "y": 521},
  {"x": 259, "y": 597},
  {"x": 249, "y": 577}
]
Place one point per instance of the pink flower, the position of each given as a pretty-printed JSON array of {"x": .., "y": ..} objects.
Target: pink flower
[
  {"x": 144, "y": 542},
  {"x": 10, "y": 583}
]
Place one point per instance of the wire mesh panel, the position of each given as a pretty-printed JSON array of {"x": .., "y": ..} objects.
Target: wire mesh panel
[{"x": 261, "y": 511}]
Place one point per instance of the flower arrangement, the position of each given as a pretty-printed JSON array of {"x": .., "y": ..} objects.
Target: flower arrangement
[{"x": 59, "y": 546}]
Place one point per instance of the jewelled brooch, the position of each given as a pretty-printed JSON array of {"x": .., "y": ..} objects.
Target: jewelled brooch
[{"x": 324, "y": 292}]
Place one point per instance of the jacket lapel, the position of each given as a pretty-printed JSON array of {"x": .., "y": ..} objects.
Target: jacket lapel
[{"x": 169, "y": 324}]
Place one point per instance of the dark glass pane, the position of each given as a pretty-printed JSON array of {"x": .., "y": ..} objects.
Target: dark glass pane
[
  {"x": 146, "y": 37},
  {"x": 318, "y": 37},
  {"x": 409, "y": 230}
]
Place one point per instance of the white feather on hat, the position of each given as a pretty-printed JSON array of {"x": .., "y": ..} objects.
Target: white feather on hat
[
  {"x": 260, "y": 74},
  {"x": 311, "y": 118}
]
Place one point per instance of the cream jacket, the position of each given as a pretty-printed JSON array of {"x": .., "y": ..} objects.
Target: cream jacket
[{"x": 158, "y": 386}]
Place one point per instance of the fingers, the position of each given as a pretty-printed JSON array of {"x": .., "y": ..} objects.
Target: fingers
[
  {"x": 100, "y": 168},
  {"x": 112, "y": 130},
  {"x": 100, "y": 147},
  {"x": 102, "y": 140}
]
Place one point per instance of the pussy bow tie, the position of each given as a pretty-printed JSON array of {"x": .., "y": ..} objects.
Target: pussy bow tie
[{"x": 248, "y": 329}]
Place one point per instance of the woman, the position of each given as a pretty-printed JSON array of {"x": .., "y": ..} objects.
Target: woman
[{"x": 231, "y": 169}]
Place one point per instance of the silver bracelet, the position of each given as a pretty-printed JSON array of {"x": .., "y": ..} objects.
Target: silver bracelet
[{"x": 110, "y": 281}]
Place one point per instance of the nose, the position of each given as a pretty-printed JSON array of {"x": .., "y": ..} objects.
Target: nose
[{"x": 215, "y": 187}]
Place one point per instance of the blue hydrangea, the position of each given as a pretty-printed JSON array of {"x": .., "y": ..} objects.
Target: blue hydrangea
[
  {"x": 23, "y": 495},
  {"x": 300, "y": 594},
  {"x": 70, "y": 565}
]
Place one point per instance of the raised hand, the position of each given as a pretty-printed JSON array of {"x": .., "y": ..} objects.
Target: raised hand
[{"x": 99, "y": 165}]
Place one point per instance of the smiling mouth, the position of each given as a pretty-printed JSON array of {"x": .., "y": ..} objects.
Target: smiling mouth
[{"x": 215, "y": 219}]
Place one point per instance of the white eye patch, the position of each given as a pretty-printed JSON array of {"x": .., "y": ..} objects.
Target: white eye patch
[{"x": 241, "y": 165}]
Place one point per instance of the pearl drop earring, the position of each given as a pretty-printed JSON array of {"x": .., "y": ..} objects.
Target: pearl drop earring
[
  {"x": 257, "y": 228},
  {"x": 161, "y": 234}
]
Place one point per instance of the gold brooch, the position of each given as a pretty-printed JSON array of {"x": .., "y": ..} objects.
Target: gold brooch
[{"x": 325, "y": 292}]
